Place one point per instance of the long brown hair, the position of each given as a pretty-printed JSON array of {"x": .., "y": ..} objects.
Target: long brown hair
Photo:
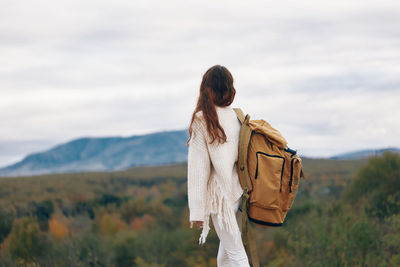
[{"x": 216, "y": 89}]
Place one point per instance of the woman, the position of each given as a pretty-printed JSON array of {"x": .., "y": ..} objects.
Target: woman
[{"x": 213, "y": 184}]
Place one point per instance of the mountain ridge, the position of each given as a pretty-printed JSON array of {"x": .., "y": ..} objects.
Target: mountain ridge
[
  {"x": 363, "y": 153},
  {"x": 113, "y": 153},
  {"x": 104, "y": 154}
]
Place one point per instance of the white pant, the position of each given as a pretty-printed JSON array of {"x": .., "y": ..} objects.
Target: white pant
[{"x": 229, "y": 253}]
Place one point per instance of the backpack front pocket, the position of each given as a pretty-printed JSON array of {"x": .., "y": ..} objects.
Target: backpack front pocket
[{"x": 268, "y": 179}]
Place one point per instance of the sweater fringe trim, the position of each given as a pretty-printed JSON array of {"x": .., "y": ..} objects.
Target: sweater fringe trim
[{"x": 218, "y": 203}]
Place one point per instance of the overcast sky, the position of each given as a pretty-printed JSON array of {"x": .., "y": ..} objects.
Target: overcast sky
[{"x": 324, "y": 73}]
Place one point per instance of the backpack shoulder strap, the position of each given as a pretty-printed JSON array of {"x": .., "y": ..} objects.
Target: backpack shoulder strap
[
  {"x": 247, "y": 235},
  {"x": 239, "y": 114}
]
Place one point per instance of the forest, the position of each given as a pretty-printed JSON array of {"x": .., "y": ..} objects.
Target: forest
[{"x": 346, "y": 213}]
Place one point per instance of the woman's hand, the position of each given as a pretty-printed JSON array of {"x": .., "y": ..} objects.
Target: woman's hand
[{"x": 199, "y": 224}]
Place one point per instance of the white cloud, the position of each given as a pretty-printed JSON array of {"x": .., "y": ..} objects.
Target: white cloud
[{"x": 95, "y": 68}]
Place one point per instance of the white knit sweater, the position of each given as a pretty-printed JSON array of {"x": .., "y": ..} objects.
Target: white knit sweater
[{"x": 213, "y": 182}]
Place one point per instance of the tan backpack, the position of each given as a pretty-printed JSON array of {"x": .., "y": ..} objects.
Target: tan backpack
[{"x": 269, "y": 173}]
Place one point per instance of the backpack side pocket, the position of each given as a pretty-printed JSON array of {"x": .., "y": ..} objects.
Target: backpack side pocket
[{"x": 295, "y": 169}]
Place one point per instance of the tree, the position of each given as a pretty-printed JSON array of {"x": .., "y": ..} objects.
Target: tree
[
  {"x": 6, "y": 221},
  {"x": 26, "y": 239},
  {"x": 378, "y": 186}
]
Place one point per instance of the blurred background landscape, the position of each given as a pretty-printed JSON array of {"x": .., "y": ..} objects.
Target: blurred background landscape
[
  {"x": 347, "y": 213},
  {"x": 96, "y": 98}
]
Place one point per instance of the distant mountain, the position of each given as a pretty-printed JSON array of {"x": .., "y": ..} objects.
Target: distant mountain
[
  {"x": 104, "y": 154},
  {"x": 359, "y": 154},
  {"x": 120, "y": 153}
]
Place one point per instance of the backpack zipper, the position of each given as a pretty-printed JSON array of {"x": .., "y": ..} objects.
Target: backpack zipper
[{"x": 291, "y": 175}]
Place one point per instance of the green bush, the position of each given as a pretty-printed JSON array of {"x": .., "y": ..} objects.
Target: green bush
[
  {"x": 26, "y": 240},
  {"x": 156, "y": 246},
  {"x": 43, "y": 211},
  {"x": 92, "y": 249},
  {"x": 377, "y": 186},
  {"x": 126, "y": 250},
  {"x": 134, "y": 208},
  {"x": 6, "y": 221},
  {"x": 85, "y": 208}
]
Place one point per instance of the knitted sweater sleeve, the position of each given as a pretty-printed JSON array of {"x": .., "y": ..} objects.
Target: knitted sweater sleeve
[{"x": 199, "y": 168}]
